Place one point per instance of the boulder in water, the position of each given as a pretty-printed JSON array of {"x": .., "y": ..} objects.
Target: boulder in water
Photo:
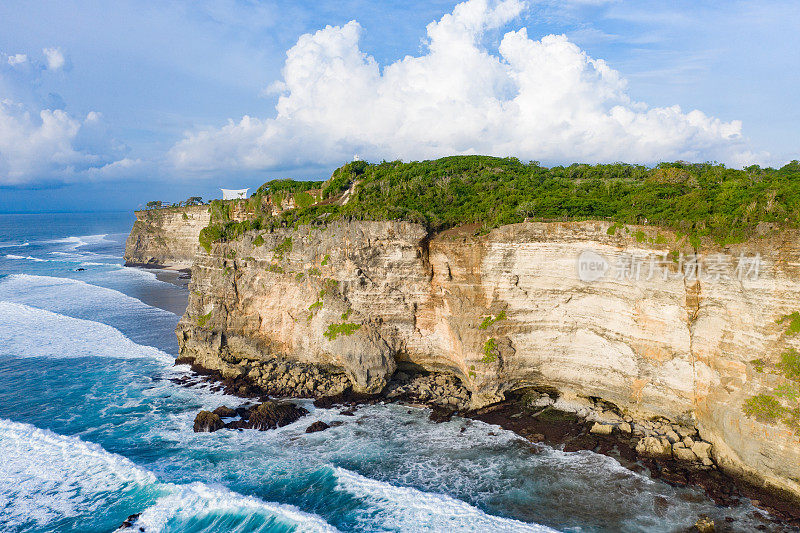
[
  {"x": 129, "y": 521},
  {"x": 271, "y": 415},
  {"x": 207, "y": 422},
  {"x": 319, "y": 425},
  {"x": 224, "y": 412}
]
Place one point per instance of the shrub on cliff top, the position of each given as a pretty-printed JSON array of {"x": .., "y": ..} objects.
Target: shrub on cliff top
[
  {"x": 303, "y": 199},
  {"x": 342, "y": 178},
  {"x": 209, "y": 235},
  {"x": 287, "y": 186},
  {"x": 699, "y": 200}
]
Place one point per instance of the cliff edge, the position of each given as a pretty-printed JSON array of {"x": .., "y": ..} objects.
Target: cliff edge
[
  {"x": 687, "y": 344},
  {"x": 166, "y": 237},
  {"x": 508, "y": 311}
]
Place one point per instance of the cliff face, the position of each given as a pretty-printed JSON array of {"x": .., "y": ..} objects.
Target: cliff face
[
  {"x": 166, "y": 236},
  {"x": 509, "y": 310}
]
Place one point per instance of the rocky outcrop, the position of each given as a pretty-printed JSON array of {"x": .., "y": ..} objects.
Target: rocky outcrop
[
  {"x": 166, "y": 237},
  {"x": 510, "y": 310},
  {"x": 271, "y": 415},
  {"x": 267, "y": 415},
  {"x": 207, "y": 422}
]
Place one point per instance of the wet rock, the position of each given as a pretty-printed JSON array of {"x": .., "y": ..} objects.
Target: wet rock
[
  {"x": 319, "y": 425},
  {"x": 128, "y": 522},
  {"x": 441, "y": 414},
  {"x": 272, "y": 414},
  {"x": 347, "y": 397},
  {"x": 207, "y": 422},
  {"x": 535, "y": 437},
  {"x": 224, "y": 412},
  {"x": 704, "y": 524}
]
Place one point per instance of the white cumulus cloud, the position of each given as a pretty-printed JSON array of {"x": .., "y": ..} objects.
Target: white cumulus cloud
[
  {"x": 17, "y": 59},
  {"x": 52, "y": 146},
  {"x": 542, "y": 99},
  {"x": 54, "y": 57}
]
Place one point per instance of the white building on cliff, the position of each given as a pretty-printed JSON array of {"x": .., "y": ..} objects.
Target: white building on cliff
[{"x": 234, "y": 194}]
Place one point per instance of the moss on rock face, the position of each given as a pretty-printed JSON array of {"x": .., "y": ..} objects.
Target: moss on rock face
[
  {"x": 790, "y": 364},
  {"x": 490, "y": 320},
  {"x": 345, "y": 328},
  {"x": 283, "y": 248},
  {"x": 769, "y": 410},
  {"x": 764, "y": 408},
  {"x": 794, "y": 322},
  {"x": 490, "y": 351},
  {"x": 203, "y": 319}
]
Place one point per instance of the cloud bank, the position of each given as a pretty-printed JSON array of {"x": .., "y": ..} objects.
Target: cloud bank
[
  {"x": 17, "y": 59},
  {"x": 540, "y": 99},
  {"x": 52, "y": 147}
]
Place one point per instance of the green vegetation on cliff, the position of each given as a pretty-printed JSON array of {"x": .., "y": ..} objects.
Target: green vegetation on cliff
[
  {"x": 345, "y": 328},
  {"x": 696, "y": 199}
]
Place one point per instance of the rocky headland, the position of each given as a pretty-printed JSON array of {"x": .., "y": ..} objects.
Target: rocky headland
[{"x": 688, "y": 375}]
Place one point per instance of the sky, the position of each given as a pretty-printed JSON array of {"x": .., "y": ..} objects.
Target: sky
[{"x": 105, "y": 105}]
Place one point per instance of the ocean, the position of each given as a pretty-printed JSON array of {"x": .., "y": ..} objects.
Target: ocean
[{"x": 93, "y": 428}]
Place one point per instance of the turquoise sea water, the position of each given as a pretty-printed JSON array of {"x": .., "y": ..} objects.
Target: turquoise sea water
[{"x": 92, "y": 429}]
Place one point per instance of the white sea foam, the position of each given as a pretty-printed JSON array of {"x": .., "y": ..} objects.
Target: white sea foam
[
  {"x": 65, "y": 257},
  {"x": 78, "y": 241},
  {"x": 62, "y": 294},
  {"x": 30, "y": 332},
  {"x": 409, "y": 509},
  {"x": 78, "y": 299},
  {"x": 25, "y": 258},
  {"x": 45, "y": 477},
  {"x": 14, "y": 244},
  {"x": 196, "y": 501}
]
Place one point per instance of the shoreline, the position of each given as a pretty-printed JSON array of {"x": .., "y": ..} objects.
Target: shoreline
[
  {"x": 546, "y": 425},
  {"x": 175, "y": 274}
]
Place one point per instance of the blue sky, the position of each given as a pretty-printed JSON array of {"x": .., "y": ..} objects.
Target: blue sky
[{"x": 105, "y": 105}]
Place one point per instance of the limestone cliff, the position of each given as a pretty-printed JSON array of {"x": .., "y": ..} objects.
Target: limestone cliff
[
  {"x": 166, "y": 236},
  {"x": 508, "y": 310}
]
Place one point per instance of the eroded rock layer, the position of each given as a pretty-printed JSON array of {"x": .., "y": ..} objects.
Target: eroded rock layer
[{"x": 166, "y": 237}]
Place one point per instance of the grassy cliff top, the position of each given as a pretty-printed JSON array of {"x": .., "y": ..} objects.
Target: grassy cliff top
[{"x": 696, "y": 199}]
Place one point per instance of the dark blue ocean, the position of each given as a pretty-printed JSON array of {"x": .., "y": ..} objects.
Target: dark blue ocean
[{"x": 92, "y": 429}]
